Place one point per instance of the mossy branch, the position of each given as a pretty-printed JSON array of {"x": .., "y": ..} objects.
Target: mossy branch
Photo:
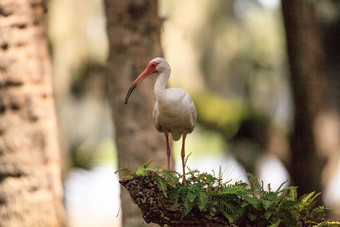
[
  {"x": 205, "y": 200},
  {"x": 158, "y": 207}
]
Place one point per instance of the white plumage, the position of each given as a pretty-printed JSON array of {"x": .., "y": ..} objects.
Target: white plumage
[{"x": 174, "y": 111}]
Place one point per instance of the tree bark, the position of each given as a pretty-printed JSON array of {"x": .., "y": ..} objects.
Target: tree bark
[
  {"x": 134, "y": 37},
  {"x": 30, "y": 180},
  {"x": 305, "y": 58}
]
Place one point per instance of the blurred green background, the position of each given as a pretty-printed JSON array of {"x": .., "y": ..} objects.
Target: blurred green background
[{"x": 230, "y": 55}]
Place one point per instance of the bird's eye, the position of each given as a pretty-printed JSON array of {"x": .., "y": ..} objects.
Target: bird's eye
[{"x": 153, "y": 65}]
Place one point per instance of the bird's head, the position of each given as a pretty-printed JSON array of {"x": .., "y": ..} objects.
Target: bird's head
[
  {"x": 161, "y": 64},
  {"x": 156, "y": 65}
]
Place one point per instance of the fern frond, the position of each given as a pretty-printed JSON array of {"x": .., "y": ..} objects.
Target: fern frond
[
  {"x": 162, "y": 184},
  {"x": 293, "y": 194},
  {"x": 186, "y": 159},
  {"x": 305, "y": 198},
  {"x": 157, "y": 168},
  {"x": 254, "y": 183},
  {"x": 188, "y": 205},
  {"x": 202, "y": 200},
  {"x": 278, "y": 190},
  {"x": 252, "y": 201},
  {"x": 123, "y": 170},
  {"x": 329, "y": 224},
  {"x": 228, "y": 216},
  {"x": 146, "y": 165},
  {"x": 141, "y": 172}
]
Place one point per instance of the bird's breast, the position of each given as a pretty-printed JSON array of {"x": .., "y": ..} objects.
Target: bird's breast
[{"x": 172, "y": 117}]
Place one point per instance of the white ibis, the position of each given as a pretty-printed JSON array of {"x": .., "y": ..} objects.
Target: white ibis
[{"x": 174, "y": 111}]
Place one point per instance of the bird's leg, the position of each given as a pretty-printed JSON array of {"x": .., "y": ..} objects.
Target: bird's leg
[
  {"x": 168, "y": 151},
  {"x": 183, "y": 155}
]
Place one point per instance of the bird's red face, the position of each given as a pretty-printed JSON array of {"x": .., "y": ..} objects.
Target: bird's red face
[{"x": 151, "y": 69}]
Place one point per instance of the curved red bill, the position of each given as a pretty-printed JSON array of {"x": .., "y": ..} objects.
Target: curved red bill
[{"x": 151, "y": 69}]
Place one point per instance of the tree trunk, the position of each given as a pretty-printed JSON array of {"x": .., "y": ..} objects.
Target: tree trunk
[
  {"x": 305, "y": 55},
  {"x": 30, "y": 180},
  {"x": 134, "y": 37}
]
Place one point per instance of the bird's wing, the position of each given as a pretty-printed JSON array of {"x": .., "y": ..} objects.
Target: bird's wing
[
  {"x": 193, "y": 112},
  {"x": 186, "y": 99},
  {"x": 193, "y": 115}
]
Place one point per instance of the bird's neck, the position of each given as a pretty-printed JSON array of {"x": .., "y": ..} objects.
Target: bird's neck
[{"x": 160, "y": 84}]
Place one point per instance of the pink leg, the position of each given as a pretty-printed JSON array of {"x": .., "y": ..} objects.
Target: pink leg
[
  {"x": 183, "y": 155},
  {"x": 168, "y": 151}
]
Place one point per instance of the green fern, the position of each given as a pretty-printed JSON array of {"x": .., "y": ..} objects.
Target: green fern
[
  {"x": 202, "y": 200},
  {"x": 239, "y": 203}
]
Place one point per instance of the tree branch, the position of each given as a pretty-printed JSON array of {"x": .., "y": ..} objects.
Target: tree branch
[{"x": 158, "y": 208}]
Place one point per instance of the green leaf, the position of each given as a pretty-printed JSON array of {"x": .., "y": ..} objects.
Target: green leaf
[
  {"x": 276, "y": 224},
  {"x": 191, "y": 196},
  {"x": 306, "y": 197},
  {"x": 172, "y": 184},
  {"x": 202, "y": 200},
  {"x": 228, "y": 216},
  {"x": 329, "y": 224},
  {"x": 154, "y": 167},
  {"x": 252, "y": 216},
  {"x": 252, "y": 201},
  {"x": 123, "y": 170},
  {"x": 141, "y": 172},
  {"x": 254, "y": 183},
  {"x": 186, "y": 159},
  {"x": 147, "y": 164},
  {"x": 237, "y": 213},
  {"x": 162, "y": 183},
  {"x": 266, "y": 203},
  {"x": 174, "y": 197},
  {"x": 268, "y": 214},
  {"x": 232, "y": 190},
  {"x": 312, "y": 201},
  {"x": 281, "y": 185},
  {"x": 293, "y": 194},
  {"x": 188, "y": 206},
  {"x": 210, "y": 179},
  {"x": 271, "y": 196},
  {"x": 177, "y": 193},
  {"x": 244, "y": 204}
]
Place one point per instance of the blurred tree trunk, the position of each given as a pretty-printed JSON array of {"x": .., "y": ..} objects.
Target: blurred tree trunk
[
  {"x": 134, "y": 36},
  {"x": 305, "y": 56},
  {"x": 30, "y": 179},
  {"x": 328, "y": 124}
]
